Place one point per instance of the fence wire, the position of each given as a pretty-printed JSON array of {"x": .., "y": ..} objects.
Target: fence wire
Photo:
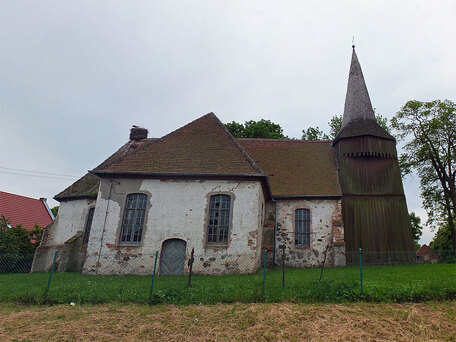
[{"x": 213, "y": 278}]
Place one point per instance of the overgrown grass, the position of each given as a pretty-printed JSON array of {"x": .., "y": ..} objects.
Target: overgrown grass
[{"x": 404, "y": 283}]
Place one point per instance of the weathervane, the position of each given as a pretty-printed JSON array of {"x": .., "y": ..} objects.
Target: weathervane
[{"x": 353, "y": 43}]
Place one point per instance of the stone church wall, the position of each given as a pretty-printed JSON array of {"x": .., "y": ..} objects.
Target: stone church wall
[
  {"x": 326, "y": 232},
  {"x": 176, "y": 209}
]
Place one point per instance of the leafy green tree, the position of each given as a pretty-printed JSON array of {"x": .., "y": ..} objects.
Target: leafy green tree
[
  {"x": 442, "y": 239},
  {"x": 35, "y": 235},
  {"x": 417, "y": 229},
  {"x": 55, "y": 210},
  {"x": 256, "y": 129},
  {"x": 14, "y": 239},
  {"x": 236, "y": 129},
  {"x": 429, "y": 132},
  {"x": 312, "y": 133},
  {"x": 335, "y": 124}
]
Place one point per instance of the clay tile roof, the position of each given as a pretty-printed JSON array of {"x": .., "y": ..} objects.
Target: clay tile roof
[
  {"x": 24, "y": 211},
  {"x": 87, "y": 186},
  {"x": 202, "y": 147},
  {"x": 296, "y": 167}
]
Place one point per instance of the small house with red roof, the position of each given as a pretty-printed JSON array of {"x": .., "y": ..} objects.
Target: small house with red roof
[
  {"x": 426, "y": 254},
  {"x": 25, "y": 211},
  {"x": 198, "y": 194}
]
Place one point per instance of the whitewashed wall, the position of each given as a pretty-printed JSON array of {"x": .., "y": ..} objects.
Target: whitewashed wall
[
  {"x": 71, "y": 219},
  {"x": 176, "y": 209}
]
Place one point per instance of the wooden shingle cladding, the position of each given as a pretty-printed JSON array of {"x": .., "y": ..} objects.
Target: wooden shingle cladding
[
  {"x": 368, "y": 165},
  {"x": 373, "y": 202}
]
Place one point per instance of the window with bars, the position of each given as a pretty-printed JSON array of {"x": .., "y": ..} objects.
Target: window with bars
[
  {"x": 133, "y": 219},
  {"x": 302, "y": 227},
  {"x": 219, "y": 219},
  {"x": 88, "y": 225}
]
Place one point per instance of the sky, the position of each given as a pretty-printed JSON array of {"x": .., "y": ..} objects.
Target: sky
[{"x": 75, "y": 75}]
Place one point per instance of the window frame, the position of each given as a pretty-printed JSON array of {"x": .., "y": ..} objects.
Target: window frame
[
  {"x": 87, "y": 228},
  {"x": 304, "y": 234},
  {"x": 208, "y": 220},
  {"x": 124, "y": 217}
]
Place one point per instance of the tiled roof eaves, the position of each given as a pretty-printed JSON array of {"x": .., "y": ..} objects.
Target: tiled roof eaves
[
  {"x": 75, "y": 197},
  {"x": 263, "y": 177},
  {"x": 307, "y": 196},
  {"x": 102, "y": 173}
]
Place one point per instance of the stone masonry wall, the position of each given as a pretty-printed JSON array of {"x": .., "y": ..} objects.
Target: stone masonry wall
[{"x": 326, "y": 231}]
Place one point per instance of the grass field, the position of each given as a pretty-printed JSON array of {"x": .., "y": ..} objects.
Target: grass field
[
  {"x": 404, "y": 283},
  {"x": 431, "y": 321}
]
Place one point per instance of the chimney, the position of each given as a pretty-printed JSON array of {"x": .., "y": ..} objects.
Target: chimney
[{"x": 138, "y": 133}]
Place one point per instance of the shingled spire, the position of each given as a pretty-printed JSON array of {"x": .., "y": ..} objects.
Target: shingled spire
[
  {"x": 373, "y": 201},
  {"x": 359, "y": 118}
]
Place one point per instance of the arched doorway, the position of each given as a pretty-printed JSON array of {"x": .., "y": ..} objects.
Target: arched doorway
[{"x": 173, "y": 257}]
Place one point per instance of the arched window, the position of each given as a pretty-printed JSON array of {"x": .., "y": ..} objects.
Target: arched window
[
  {"x": 133, "y": 219},
  {"x": 302, "y": 227},
  {"x": 219, "y": 219},
  {"x": 88, "y": 225}
]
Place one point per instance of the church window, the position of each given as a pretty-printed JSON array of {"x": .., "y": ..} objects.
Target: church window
[
  {"x": 219, "y": 219},
  {"x": 88, "y": 225},
  {"x": 133, "y": 219},
  {"x": 302, "y": 227}
]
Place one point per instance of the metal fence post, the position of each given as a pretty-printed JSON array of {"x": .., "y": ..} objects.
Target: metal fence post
[
  {"x": 264, "y": 271},
  {"x": 153, "y": 278},
  {"x": 361, "y": 269},
  {"x": 50, "y": 275}
]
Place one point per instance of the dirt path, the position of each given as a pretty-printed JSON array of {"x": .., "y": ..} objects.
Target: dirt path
[{"x": 230, "y": 322}]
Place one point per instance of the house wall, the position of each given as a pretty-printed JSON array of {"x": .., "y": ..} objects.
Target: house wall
[
  {"x": 176, "y": 209},
  {"x": 326, "y": 229},
  {"x": 70, "y": 221}
]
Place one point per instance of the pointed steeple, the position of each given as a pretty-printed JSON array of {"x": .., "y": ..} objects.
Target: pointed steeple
[
  {"x": 357, "y": 102},
  {"x": 359, "y": 117}
]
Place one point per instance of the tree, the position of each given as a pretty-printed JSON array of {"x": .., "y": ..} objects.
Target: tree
[
  {"x": 314, "y": 134},
  {"x": 429, "y": 130},
  {"x": 17, "y": 240},
  {"x": 335, "y": 124},
  {"x": 417, "y": 229},
  {"x": 55, "y": 210},
  {"x": 442, "y": 239},
  {"x": 256, "y": 129},
  {"x": 35, "y": 235}
]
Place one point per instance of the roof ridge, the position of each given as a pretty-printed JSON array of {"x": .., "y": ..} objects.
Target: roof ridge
[
  {"x": 239, "y": 146},
  {"x": 126, "y": 153},
  {"x": 149, "y": 143},
  {"x": 11, "y": 194},
  {"x": 194, "y": 147},
  {"x": 284, "y": 140}
]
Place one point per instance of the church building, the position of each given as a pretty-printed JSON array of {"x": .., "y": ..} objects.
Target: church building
[{"x": 198, "y": 188}]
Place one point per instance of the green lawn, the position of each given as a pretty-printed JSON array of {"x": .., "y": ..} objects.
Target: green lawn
[{"x": 404, "y": 283}]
